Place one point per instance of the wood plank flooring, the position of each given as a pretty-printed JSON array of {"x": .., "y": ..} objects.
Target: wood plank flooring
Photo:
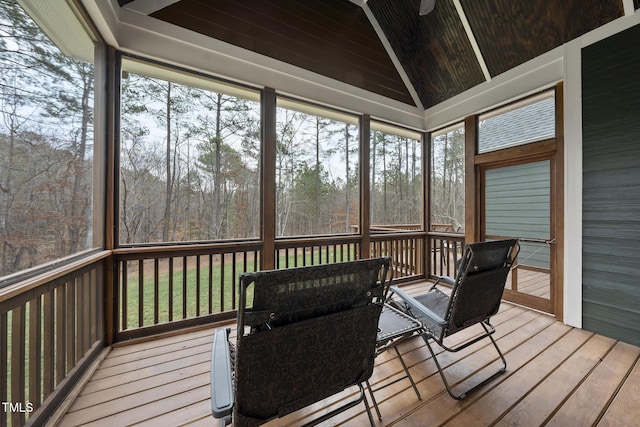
[{"x": 556, "y": 375}]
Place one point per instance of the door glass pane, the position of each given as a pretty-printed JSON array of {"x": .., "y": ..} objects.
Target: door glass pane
[
  {"x": 530, "y": 120},
  {"x": 518, "y": 205}
]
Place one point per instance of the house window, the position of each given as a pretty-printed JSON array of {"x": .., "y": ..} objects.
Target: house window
[
  {"x": 189, "y": 157},
  {"x": 447, "y": 188},
  {"x": 46, "y": 139},
  {"x": 396, "y": 178},
  {"x": 317, "y": 185},
  {"x": 524, "y": 122}
]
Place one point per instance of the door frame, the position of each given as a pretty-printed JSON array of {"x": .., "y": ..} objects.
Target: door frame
[
  {"x": 536, "y": 302},
  {"x": 550, "y": 149}
]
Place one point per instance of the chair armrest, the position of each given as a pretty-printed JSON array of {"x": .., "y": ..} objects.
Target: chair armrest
[
  {"x": 222, "y": 398},
  {"x": 446, "y": 279},
  {"x": 419, "y": 309}
]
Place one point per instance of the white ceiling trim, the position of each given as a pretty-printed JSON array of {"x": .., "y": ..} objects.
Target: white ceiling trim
[
  {"x": 472, "y": 40},
  {"x": 149, "y": 6},
  {"x": 528, "y": 78},
  {"x": 60, "y": 22},
  {"x": 629, "y": 8},
  {"x": 155, "y": 39}
]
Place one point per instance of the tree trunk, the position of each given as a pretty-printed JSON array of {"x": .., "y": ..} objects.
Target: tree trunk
[{"x": 168, "y": 186}]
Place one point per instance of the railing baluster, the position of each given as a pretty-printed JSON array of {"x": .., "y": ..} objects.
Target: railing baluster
[
  {"x": 198, "y": 285},
  {"x": 156, "y": 290},
  {"x": 91, "y": 296},
  {"x": 234, "y": 274},
  {"x": 222, "y": 282},
  {"x": 124, "y": 265},
  {"x": 4, "y": 372},
  {"x": 35, "y": 350},
  {"x": 170, "y": 289},
  {"x": 210, "y": 283},
  {"x": 70, "y": 324},
  {"x": 185, "y": 293},
  {"x": 85, "y": 309},
  {"x": 48, "y": 347},
  {"x": 61, "y": 337},
  {"x": 18, "y": 362},
  {"x": 141, "y": 292}
]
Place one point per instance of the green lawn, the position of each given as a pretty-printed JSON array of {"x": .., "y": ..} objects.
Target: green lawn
[{"x": 221, "y": 284}]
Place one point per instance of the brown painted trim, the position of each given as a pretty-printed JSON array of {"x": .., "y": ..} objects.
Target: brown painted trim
[
  {"x": 207, "y": 321},
  {"x": 558, "y": 226},
  {"x": 528, "y": 151},
  {"x": 155, "y": 251},
  {"x": 473, "y": 203},
  {"x": 551, "y": 150},
  {"x": 531, "y": 301},
  {"x": 112, "y": 174},
  {"x": 427, "y": 151},
  {"x": 268, "y": 183},
  {"x": 365, "y": 186},
  {"x": 111, "y": 142}
]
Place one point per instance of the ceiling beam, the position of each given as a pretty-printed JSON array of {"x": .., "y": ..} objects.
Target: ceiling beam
[
  {"x": 392, "y": 55},
  {"x": 472, "y": 40}
]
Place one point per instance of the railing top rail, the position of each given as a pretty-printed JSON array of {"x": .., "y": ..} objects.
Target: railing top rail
[
  {"x": 447, "y": 235},
  {"x": 296, "y": 242},
  {"x": 162, "y": 251},
  {"x": 48, "y": 277},
  {"x": 398, "y": 235}
]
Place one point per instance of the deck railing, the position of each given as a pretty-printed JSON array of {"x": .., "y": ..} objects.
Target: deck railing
[
  {"x": 315, "y": 251},
  {"x": 406, "y": 250},
  {"x": 168, "y": 287},
  {"x": 445, "y": 249},
  {"x": 51, "y": 328}
]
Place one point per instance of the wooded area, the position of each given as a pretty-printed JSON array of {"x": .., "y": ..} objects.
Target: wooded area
[
  {"x": 447, "y": 180},
  {"x": 46, "y": 141},
  {"x": 189, "y": 157},
  {"x": 190, "y": 162}
]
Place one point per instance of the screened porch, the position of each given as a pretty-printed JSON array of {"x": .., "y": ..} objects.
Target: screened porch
[{"x": 153, "y": 151}]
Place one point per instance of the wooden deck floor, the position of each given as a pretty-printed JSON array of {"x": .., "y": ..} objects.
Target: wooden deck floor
[{"x": 556, "y": 375}]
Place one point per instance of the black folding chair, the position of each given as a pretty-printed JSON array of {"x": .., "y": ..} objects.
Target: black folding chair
[
  {"x": 475, "y": 296},
  {"x": 310, "y": 333}
]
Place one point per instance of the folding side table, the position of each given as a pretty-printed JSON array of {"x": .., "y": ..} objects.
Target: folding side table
[{"x": 394, "y": 327}]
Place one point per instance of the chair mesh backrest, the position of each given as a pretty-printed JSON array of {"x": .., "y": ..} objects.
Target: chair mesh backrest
[
  {"x": 480, "y": 283},
  {"x": 289, "y": 295},
  {"x": 320, "y": 338}
]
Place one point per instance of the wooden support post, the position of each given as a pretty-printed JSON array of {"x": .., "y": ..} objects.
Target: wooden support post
[
  {"x": 472, "y": 205},
  {"x": 268, "y": 218},
  {"x": 365, "y": 187}
]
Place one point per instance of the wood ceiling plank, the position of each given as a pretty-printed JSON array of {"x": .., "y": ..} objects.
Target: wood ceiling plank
[
  {"x": 433, "y": 49},
  {"x": 510, "y": 33},
  {"x": 332, "y": 38}
]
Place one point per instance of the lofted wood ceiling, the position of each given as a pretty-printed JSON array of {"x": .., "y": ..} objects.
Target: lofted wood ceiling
[{"x": 429, "y": 58}]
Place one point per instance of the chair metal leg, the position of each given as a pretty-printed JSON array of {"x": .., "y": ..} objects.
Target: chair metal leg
[
  {"x": 462, "y": 395},
  {"x": 366, "y": 405},
  {"x": 407, "y": 374},
  {"x": 373, "y": 399},
  {"x": 348, "y": 405}
]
